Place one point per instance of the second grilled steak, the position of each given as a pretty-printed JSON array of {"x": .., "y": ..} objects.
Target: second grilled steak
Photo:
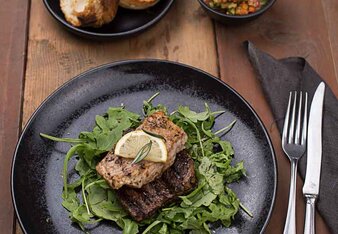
[{"x": 141, "y": 203}]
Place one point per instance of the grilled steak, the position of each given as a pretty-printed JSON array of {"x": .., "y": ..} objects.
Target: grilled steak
[
  {"x": 141, "y": 203},
  {"x": 118, "y": 171}
]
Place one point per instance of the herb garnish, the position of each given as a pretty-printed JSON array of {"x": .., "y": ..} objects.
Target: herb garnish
[
  {"x": 154, "y": 135},
  {"x": 142, "y": 153},
  {"x": 148, "y": 107}
]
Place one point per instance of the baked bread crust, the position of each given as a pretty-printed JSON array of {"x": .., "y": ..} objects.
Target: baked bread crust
[{"x": 84, "y": 13}]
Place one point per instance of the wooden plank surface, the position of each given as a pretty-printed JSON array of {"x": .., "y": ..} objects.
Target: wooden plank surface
[
  {"x": 284, "y": 31},
  {"x": 13, "y": 15},
  {"x": 55, "y": 56},
  {"x": 331, "y": 15}
]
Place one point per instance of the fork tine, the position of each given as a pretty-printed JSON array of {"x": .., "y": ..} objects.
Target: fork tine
[
  {"x": 286, "y": 121},
  {"x": 304, "y": 132},
  {"x": 297, "y": 138},
  {"x": 292, "y": 123}
]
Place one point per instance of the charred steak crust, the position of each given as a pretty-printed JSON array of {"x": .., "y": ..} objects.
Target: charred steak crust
[{"x": 179, "y": 179}]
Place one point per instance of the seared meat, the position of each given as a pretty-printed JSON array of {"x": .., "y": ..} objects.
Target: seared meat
[
  {"x": 118, "y": 171},
  {"x": 175, "y": 137},
  {"x": 95, "y": 13},
  {"x": 143, "y": 202}
]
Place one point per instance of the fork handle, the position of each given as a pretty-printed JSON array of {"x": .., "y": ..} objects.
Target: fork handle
[
  {"x": 290, "y": 223},
  {"x": 309, "y": 226}
]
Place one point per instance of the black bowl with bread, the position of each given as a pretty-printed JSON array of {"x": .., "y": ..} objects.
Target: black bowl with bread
[{"x": 107, "y": 19}]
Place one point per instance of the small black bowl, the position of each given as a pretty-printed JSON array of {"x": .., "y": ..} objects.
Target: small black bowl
[
  {"x": 126, "y": 23},
  {"x": 234, "y": 19}
]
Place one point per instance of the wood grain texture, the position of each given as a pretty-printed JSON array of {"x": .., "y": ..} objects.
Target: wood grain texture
[
  {"x": 55, "y": 56},
  {"x": 331, "y": 15},
  {"x": 13, "y": 15},
  {"x": 284, "y": 31}
]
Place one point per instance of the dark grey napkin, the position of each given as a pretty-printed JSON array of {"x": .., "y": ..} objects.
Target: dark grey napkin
[{"x": 278, "y": 78}]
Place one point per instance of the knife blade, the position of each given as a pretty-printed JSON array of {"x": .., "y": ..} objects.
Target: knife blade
[
  {"x": 314, "y": 158},
  {"x": 314, "y": 143}
]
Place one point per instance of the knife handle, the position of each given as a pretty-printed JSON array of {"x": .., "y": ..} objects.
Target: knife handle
[{"x": 309, "y": 226}]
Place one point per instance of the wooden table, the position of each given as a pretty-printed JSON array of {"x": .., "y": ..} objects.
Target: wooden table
[{"x": 37, "y": 56}]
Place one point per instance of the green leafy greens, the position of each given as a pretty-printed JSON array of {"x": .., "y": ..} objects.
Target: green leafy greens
[{"x": 90, "y": 200}]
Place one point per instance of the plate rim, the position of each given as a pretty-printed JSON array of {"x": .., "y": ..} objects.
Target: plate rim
[
  {"x": 133, "y": 61},
  {"x": 83, "y": 32}
]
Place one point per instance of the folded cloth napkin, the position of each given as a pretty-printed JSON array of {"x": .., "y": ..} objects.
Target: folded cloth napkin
[{"x": 278, "y": 78}]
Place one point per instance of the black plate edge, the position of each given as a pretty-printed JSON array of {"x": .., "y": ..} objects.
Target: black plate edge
[
  {"x": 107, "y": 35},
  {"x": 140, "y": 61}
]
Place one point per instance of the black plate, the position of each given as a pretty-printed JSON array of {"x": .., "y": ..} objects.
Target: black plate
[
  {"x": 37, "y": 164},
  {"x": 126, "y": 23}
]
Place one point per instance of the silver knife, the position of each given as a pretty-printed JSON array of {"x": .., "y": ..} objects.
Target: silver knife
[{"x": 314, "y": 158}]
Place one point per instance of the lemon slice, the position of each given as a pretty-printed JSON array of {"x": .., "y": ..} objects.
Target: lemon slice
[{"x": 131, "y": 143}]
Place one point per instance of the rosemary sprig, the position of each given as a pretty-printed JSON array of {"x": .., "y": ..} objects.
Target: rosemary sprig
[
  {"x": 154, "y": 134},
  {"x": 143, "y": 152}
]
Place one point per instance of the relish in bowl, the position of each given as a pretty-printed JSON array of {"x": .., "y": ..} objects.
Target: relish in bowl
[{"x": 236, "y": 7}]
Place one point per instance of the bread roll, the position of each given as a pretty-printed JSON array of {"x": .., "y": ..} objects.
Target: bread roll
[{"x": 84, "y": 13}]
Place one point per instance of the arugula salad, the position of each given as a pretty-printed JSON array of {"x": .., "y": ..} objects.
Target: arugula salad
[{"x": 90, "y": 200}]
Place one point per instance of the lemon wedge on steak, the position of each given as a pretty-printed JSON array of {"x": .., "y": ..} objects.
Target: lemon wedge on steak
[{"x": 131, "y": 144}]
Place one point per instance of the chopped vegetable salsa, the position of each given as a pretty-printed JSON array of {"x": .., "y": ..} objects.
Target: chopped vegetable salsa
[{"x": 236, "y": 7}]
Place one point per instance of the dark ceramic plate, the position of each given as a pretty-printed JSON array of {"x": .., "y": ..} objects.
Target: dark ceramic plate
[
  {"x": 37, "y": 165},
  {"x": 126, "y": 23}
]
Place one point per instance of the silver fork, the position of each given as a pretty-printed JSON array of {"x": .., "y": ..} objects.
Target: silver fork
[{"x": 294, "y": 145}]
